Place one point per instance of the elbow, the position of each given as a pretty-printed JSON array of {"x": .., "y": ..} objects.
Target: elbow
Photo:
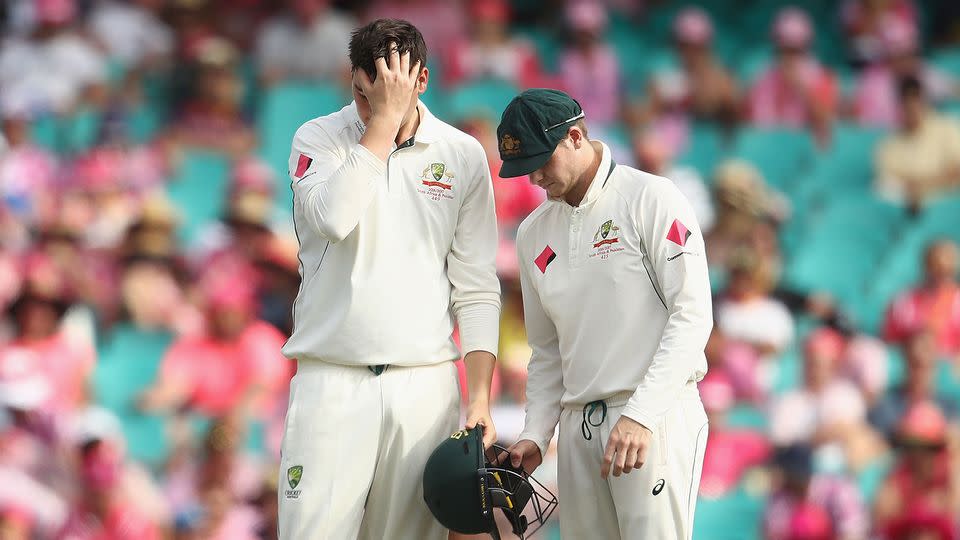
[{"x": 332, "y": 228}]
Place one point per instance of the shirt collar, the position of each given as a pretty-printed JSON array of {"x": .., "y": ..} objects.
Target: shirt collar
[
  {"x": 427, "y": 132},
  {"x": 599, "y": 180}
]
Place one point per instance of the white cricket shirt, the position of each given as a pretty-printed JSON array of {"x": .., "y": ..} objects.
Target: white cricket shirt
[
  {"x": 616, "y": 299},
  {"x": 391, "y": 252}
]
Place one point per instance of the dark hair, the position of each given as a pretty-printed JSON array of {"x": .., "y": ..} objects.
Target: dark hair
[
  {"x": 373, "y": 41},
  {"x": 909, "y": 87}
]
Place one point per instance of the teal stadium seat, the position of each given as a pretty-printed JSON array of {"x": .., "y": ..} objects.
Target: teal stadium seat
[
  {"x": 485, "y": 98},
  {"x": 199, "y": 189},
  {"x": 782, "y": 155},
  {"x": 283, "y": 109},
  {"x": 704, "y": 149},
  {"x": 128, "y": 362},
  {"x": 736, "y": 516}
]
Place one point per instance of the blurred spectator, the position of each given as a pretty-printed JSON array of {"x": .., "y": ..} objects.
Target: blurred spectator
[
  {"x": 921, "y": 160},
  {"x": 440, "y": 21},
  {"x": 828, "y": 411},
  {"x": 797, "y": 91},
  {"x": 103, "y": 508},
  {"x": 802, "y": 497},
  {"x": 589, "y": 68},
  {"x": 933, "y": 305},
  {"x": 919, "y": 385},
  {"x": 132, "y": 32},
  {"x": 213, "y": 116},
  {"x": 278, "y": 266},
  {"x": 747, "y": 313},
  {"x": 867, "y": 22},
  {"x": 233, "y": 366},
  {"x": 655, "y": 158},
  {"x": 488, "y": 50},
  {"x": 37, "y": 313},
  {"x": 209, "y": 494},
  {"x": 730, "y": 451},
  {"x": 746, "y": 211},
  {"x": 28, "y": 173},
  {"x": 922, "y": 489},
  {"x": 865, "y": 363},
  {"x": 875, "y": 97},
  {"x": 54, "y": 67},
  {"x": 307, "y": 41},
  {"x": 707, "y": 90}
]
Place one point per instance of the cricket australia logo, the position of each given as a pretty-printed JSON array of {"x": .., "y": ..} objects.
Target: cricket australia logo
[
  {"x": 606, "y": 241},
  {"x": 436, "y": 182},
  {"x": 294, "y": 474}
]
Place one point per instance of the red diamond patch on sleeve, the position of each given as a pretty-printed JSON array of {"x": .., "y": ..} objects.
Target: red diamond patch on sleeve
[
  {"x": 678, "y": 233},
  {"x": 303, "y": 163},
  {"x": 545, "y": 258}
]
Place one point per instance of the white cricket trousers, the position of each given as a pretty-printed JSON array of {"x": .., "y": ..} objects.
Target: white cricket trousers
[
  {"x": 354, "y": 448},
  {"x": 655, "y": 502}
]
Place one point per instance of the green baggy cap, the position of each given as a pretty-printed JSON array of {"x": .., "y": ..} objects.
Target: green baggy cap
[{"x": 531, "y": 127}]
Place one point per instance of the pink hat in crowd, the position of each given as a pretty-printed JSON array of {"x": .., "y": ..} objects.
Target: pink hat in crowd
[
  {"x": 692, "y": 26},
  {"x": 231, "y": 293},
  {"x": 55, "y": 11},
  {"x": 923, "y": 423},
  {"x": 490, "y": 10},
  {"x": 716, "y": 392},
  {"x": 826, "y": 342},
  {"x": 102, "y": 465},
  {"x": 252, "y": 174},
  {"x": 792, "y": 28},
  {"x": 101, "y": 169},
  {"x": 586, "y": 15},
  {"x": 898, "y": 37}
]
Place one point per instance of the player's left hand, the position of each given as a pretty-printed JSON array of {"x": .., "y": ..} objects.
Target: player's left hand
[
  {"x": 479, "y": 413},
  {"x": 626, "y": 448}
]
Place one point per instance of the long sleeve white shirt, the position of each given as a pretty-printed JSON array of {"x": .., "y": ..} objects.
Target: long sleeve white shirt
[
  {"x": 616, "y": 299},
  {"x": 390, "y": 253}
]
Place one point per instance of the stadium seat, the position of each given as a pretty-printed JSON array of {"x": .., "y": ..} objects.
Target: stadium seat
[
  {"x": 283, "y": 109},
  {"x": 735, "y": 516},
  {"x": 487, "y": 98},
  {"x": 199, "y": 188},
  {"x": 128, "y": 361},
  {"x": 704, "y": 149},
  {"x": 782, "y": 155}
]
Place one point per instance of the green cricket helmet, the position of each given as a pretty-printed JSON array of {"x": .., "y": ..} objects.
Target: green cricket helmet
[{"x": 462, "y": 485}]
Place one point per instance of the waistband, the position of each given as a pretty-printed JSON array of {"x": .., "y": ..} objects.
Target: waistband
[{"x": 621, "y": 398}]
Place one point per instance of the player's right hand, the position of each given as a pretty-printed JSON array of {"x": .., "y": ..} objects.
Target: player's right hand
[
  {"x": 390, "y": 94},
  {"x": 524, "y": 453}
]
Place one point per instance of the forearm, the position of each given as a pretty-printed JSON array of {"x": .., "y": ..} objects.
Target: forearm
[
  {"x": 335, "y": 205},
  {"x": 479, "y": 366}
]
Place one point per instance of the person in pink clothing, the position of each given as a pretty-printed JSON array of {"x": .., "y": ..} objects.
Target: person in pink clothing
[
  {"x": 796, "y": 91},
  {"x": 441, "y": 22},
  {"x": 933, "y": 306},
  {"x": 27, "y": 171},
  {"x": 233, "y": 366},
  {"x": 730, "y": 451},
  {"x": 488, "y": 50},
  {"x": 37, "y": 313},
  {"x": 875, "y": 100},
  {"x": 589, "y": 68},
  {"x": 866, "y": 21},
  {"x": 103, "y": 512}
]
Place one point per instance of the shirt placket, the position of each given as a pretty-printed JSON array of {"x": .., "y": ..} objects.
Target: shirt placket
[{"x": 576, "y": 225}]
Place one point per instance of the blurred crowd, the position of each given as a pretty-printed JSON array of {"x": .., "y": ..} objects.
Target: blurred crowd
[{"x": 148, "y": 262}]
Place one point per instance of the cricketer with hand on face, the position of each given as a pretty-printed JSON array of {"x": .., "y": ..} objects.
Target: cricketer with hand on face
[{"x": 394, "y": 212}]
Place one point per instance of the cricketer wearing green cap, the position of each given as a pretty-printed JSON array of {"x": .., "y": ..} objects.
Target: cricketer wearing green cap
[{"x": 617, "y": 309}]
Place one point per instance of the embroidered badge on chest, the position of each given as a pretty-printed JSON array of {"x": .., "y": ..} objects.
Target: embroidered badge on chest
[
  {"x": 436, "y": 182},
  {"x": 606, "y": 241}
]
